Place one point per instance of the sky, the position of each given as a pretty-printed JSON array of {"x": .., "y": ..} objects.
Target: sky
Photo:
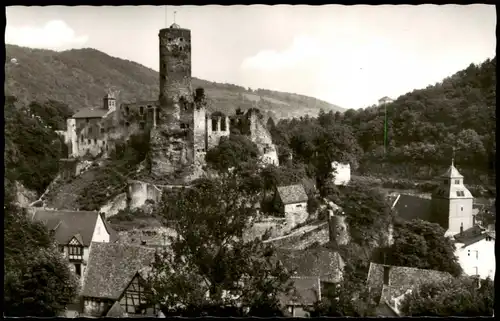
[{"x": 349, "y": 56}]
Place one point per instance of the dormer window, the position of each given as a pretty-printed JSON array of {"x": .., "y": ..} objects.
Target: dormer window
[
  {"x": 460, "y": 193},
  {"x": 75, "y": 250},
  {"x": 457, "y": 182}
]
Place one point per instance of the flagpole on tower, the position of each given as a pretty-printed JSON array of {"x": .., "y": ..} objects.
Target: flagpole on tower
[{"x": 166, "y": 16}]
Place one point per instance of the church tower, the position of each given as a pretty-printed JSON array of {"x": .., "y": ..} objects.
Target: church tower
[{"x": 452, "y": 203}]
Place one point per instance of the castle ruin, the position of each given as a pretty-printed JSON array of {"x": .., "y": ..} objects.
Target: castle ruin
[{"x": 181, "y": 128}]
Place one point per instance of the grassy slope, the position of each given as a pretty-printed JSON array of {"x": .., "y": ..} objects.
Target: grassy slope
[{"x": 81, "y": 77}]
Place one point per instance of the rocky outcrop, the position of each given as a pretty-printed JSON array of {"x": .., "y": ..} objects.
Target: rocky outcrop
[
  {"x": 24, "y": 196},
  {"x": 115, "y": 205},
  {"x": 170, "y": 153}
]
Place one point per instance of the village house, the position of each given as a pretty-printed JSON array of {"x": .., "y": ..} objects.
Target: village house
[
  {"x": 389, "y": 285},
  {"x": 115, "y": 283},
  {"x": 74, "y": 231},
  {"x": 475, "y": 249},
  {"x": 314, "y": 271},
  {"x": 291, "y": 201}
]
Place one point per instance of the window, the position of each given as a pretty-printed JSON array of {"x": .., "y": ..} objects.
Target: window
[
  {"x": 298, "y": 205},
  {"x": 89, "y": 141},
  {"x": 473, "y": 219},
  {"x": 141, "y": 110},
  {"x": 127, "y": 110},
  {"x": 102, "y": 130},
  {"x": 142, "y": 125},
  {"x": 460, "y": 193},
  {"x": 87, "y": 120},
  {"x": 81, "y": 138},
  {"x": 214, "y": 124},
  {"x": 90, "y": 130},
  {"x": 223, "y": 125},
  {"x": 457, "y": 181},
  {"x": 468, "y": 252},
  {"x": 180, "y": 48},
  {"x": 75, "y": 250},
  {"x": 181, "y": 39},
  {"x": 461, "y": 208},
  {"x": 78, "y": 269},
  {"x": 95, "y": 141}
]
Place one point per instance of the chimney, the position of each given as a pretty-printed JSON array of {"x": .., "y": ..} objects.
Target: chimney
[
  {"x": 332, "y": 224},
  {"x": 387, "y": 270}
]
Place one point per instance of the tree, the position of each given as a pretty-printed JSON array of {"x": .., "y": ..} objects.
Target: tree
[
  {"x": 37, "y": 280},
  {"x": 209, "y": 255},
  {"x": 350, "y": 297},
  {"x": 422, "y": 245},
  {"x": 456, "y": 297},
  {"x": 368, "y": 214},
  {"x": 231, "y": 152}
]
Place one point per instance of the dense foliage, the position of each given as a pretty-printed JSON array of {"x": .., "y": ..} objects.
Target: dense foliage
[
  {"x": 37, "y": 279},
  {"x": 452, "y": 298},
  {"x": 81, "y": 77},
  {"x": 231, "y": 152},
  {"x": 422, "y": 245},
  {"x": 32, "y": 148},
  {"x": 423, "y": 128},
  {"x": 210, "y": 256},
  {"x": 113, "y": 175}
]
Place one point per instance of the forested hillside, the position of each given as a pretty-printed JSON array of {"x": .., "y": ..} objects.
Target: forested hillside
[
  {"x": 81, "y": 77},
  {"x": 423, "y": 127}
]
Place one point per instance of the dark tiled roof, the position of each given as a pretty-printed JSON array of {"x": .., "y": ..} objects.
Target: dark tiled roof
[
  {"x": 470, "y": 236},
  {"x": 112, "y": 266},
  {"x": 401, "y": 279},
  {"x": 292, "y": 194},
  {"x": 68, "y": 224},
  {"x": 91, "y": 113},
  {"x": 116, "y": 311},
  {"x": 305, "y": 293},
  {"x": 411, "y": 207},
  {"x": 319, "y": 262}
]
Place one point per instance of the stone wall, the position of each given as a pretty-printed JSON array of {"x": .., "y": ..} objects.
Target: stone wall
[
  {"x": 199, "y": 127},
  {"x": 262, "y": 138},
  {"x": 115, "y": 205},
  {"x": 217, "y": 127},
  {"x": 139, "y": 192}
]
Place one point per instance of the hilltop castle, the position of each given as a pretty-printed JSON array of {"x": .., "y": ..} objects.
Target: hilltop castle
[{"x": 181, "y": 128}]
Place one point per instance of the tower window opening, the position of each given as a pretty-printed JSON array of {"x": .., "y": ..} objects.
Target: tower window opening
[
  {"x": 214, "y": 125},
  {"x": 142, "y": 125},
  {"x": 95, "y": 141},
  {"x": 89, "y": 141},
  {"x": 141, "y": 110},
  {"x": 169, "y": 39},
  {"x": 461, "y": 208},
  {"x": 90, "y": 130},
  {"x": 127, "y": 110},
  {"x": 457, "y": 181},
  {"x": 223, "y": 125},
  {"x": 88, "y": 120},
  {"x": 181, "y": 39},
  {"x": 180, "y": 48},
  {"x": 386, "y": 275}
]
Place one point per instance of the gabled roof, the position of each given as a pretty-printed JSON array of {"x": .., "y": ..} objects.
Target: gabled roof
[
  {"x": 452, "y": 172},
  {"x": 68, "y": 224},
  {"x": 409, "y": 207},
  {"x": 292, "y": 194},
  {"x": 402, "y": 279},
  {"x": 319, "y": 262},
  {"x": 91, "y": 113},
  {"x": 307, "y": 291},
  {"x": 112, "y": 266}
]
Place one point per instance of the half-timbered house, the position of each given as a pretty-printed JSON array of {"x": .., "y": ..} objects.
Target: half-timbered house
[{"x": 115, "y": 284}]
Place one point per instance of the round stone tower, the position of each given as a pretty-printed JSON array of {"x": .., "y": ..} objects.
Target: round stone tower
[{"x": 175, "y": 74}]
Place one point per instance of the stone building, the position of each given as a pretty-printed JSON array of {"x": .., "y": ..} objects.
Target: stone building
[{"x": 180, "y": 126}]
